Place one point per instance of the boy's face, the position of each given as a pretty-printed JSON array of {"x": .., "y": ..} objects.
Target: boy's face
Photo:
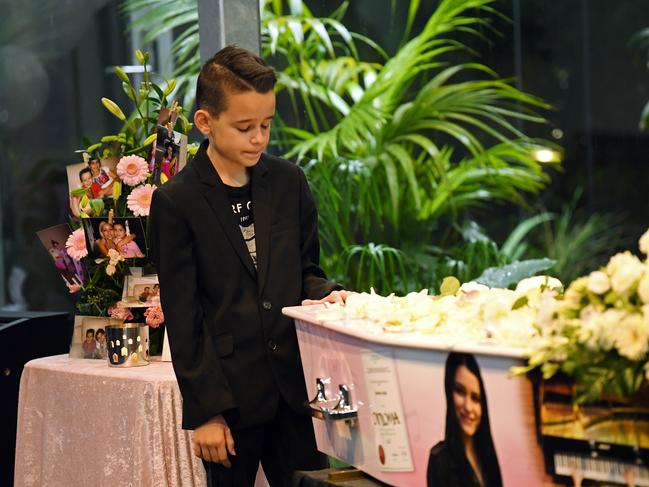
[
  {"x": 240, "y": 134},
  {"x": 94, "y": 165},
  {"x": 86, "y": 180}
]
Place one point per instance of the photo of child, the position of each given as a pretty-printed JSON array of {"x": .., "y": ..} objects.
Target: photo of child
[
  {"x": 104, "y": 176},
  {"x": 89, "y": 337},
  {"x": 125, "y": 243},
  {"x": 90, "y": 180},
  {"x": 169, "y": 154},
  {"x": 53, "y": 239},
  {"x": 125, "y": 235}
]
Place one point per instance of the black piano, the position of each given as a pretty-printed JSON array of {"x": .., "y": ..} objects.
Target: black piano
[{"x": 605, "y": 442}]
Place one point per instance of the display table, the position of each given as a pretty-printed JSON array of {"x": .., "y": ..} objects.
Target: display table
[{"x": 81, "y": 422}]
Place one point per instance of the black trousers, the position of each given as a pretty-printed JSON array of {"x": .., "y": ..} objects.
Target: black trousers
[{"x": 283, "y": 445}]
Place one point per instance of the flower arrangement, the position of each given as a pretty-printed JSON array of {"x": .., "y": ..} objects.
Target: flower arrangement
[
  {"x": 467, "y": 313},
  {"x": 597, "y": 332},
  {"x": 133, "y": 184}
]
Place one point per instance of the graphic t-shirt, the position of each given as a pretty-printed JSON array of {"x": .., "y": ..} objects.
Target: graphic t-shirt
[{"x": 241, "y": 201}]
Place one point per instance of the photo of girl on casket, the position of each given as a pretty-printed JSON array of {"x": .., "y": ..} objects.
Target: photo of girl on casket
[{"x": 466, "y": 457}]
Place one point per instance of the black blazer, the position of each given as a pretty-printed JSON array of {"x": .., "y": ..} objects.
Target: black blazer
[{"x": 233, "y": 351}]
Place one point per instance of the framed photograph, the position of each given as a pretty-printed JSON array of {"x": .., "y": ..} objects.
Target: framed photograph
[
  {"x": 53, "y": 239},
  {"x": 140, "y": 291},
  {"x": 89, "y": 337},
  {"x": 126, "y": 235}
]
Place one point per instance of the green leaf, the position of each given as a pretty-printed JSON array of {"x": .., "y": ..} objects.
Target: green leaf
[
  {"x": 519, "y": 303},
  {"x": 97, "y": 206},
  {"x": 505, "y": 276},
  {"x": 171, "y": 85}
]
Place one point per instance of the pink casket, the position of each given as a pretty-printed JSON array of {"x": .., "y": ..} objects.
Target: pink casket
[
  {"x": 379, "y": 403},
  {"x": 394, "y": 405}
]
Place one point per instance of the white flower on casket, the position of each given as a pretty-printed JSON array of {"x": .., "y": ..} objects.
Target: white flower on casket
[
  {"x": 537, "y": 282},
  {"x": 516, "y": 328},
  {"x": 625, "y": 270},
  {"x": 632, "y": 336},
  {"x": 472, "y": 286},
  {"x": 419, "y": 304},
  {"x": 546, "y": 307},
  {"x": 644, "y": 243},
  {"x": 598, "y": 282},
  {"x": 498, "y": 304},
  {"x": 598, "y": 330},
  {"x": 359, "y": 305}
]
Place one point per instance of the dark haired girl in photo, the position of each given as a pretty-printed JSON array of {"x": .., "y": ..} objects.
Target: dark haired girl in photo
[{"x": 466, "y": 457}]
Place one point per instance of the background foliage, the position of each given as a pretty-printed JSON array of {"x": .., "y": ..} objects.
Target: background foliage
[{"x": 411, "y": 154}]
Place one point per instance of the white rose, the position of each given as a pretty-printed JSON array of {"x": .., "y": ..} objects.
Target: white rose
[
  {"x": 598, "y": 282},
  {"x": 546, "y": 308},
  {"x": 644, "y": 243},
  {"x": 643, "y": 288},
  {"x": 500, "y": 303},
  {"x": 537, "y": 282},
  {"x": 632, "y": 336},
  {"x": 110, "y": 269},
  {"x": 625, "y": 270},
  {"x": 599, "y": 330},
  {"x": 472, "y": 286}
]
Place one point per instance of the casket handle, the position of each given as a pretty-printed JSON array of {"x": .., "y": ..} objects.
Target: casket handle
[
  {"x": 342, "y": 411},
  {"x": 318, "y": 405}
]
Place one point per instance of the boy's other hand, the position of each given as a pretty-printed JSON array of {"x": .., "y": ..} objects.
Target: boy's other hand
[
  {"x": 213, "y": 441},
  {"x": 333, "y": 297}
]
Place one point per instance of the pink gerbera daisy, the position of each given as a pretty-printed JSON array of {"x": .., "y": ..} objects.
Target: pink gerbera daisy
[
  {"x": 132, "y": 170},
  {"x": 76, "y": 245},
  {"x": 139, "y": 201}
]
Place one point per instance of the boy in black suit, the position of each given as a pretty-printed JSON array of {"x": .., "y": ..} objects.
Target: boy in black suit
[{"x": 234, "y": 238}]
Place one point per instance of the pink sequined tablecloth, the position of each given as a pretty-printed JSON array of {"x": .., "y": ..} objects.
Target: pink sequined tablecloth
[{"x": 81, "y": 422}]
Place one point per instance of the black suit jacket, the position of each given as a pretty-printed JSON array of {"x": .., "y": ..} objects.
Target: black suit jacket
[{"x": 233, "y": 351}]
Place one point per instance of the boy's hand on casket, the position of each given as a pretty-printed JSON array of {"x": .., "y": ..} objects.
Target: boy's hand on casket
[
  {"x": 213, "y": 441},
  {"x": 333, "y": 297}
]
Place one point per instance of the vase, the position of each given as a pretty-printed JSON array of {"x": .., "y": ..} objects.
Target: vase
[{"x": 128, "y": 344}]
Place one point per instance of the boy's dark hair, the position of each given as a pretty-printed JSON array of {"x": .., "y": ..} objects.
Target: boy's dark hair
[
  {"x": 231, "y": 69},
  {"x": 85, "y": 169}
]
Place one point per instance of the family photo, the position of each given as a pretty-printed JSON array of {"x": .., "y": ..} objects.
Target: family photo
[
  {"x": 140, "y": 291},
  {"x": 89, "y": 337},
  {"x": 90, "y": 180},
  {"x": 125, "y": 235}
]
